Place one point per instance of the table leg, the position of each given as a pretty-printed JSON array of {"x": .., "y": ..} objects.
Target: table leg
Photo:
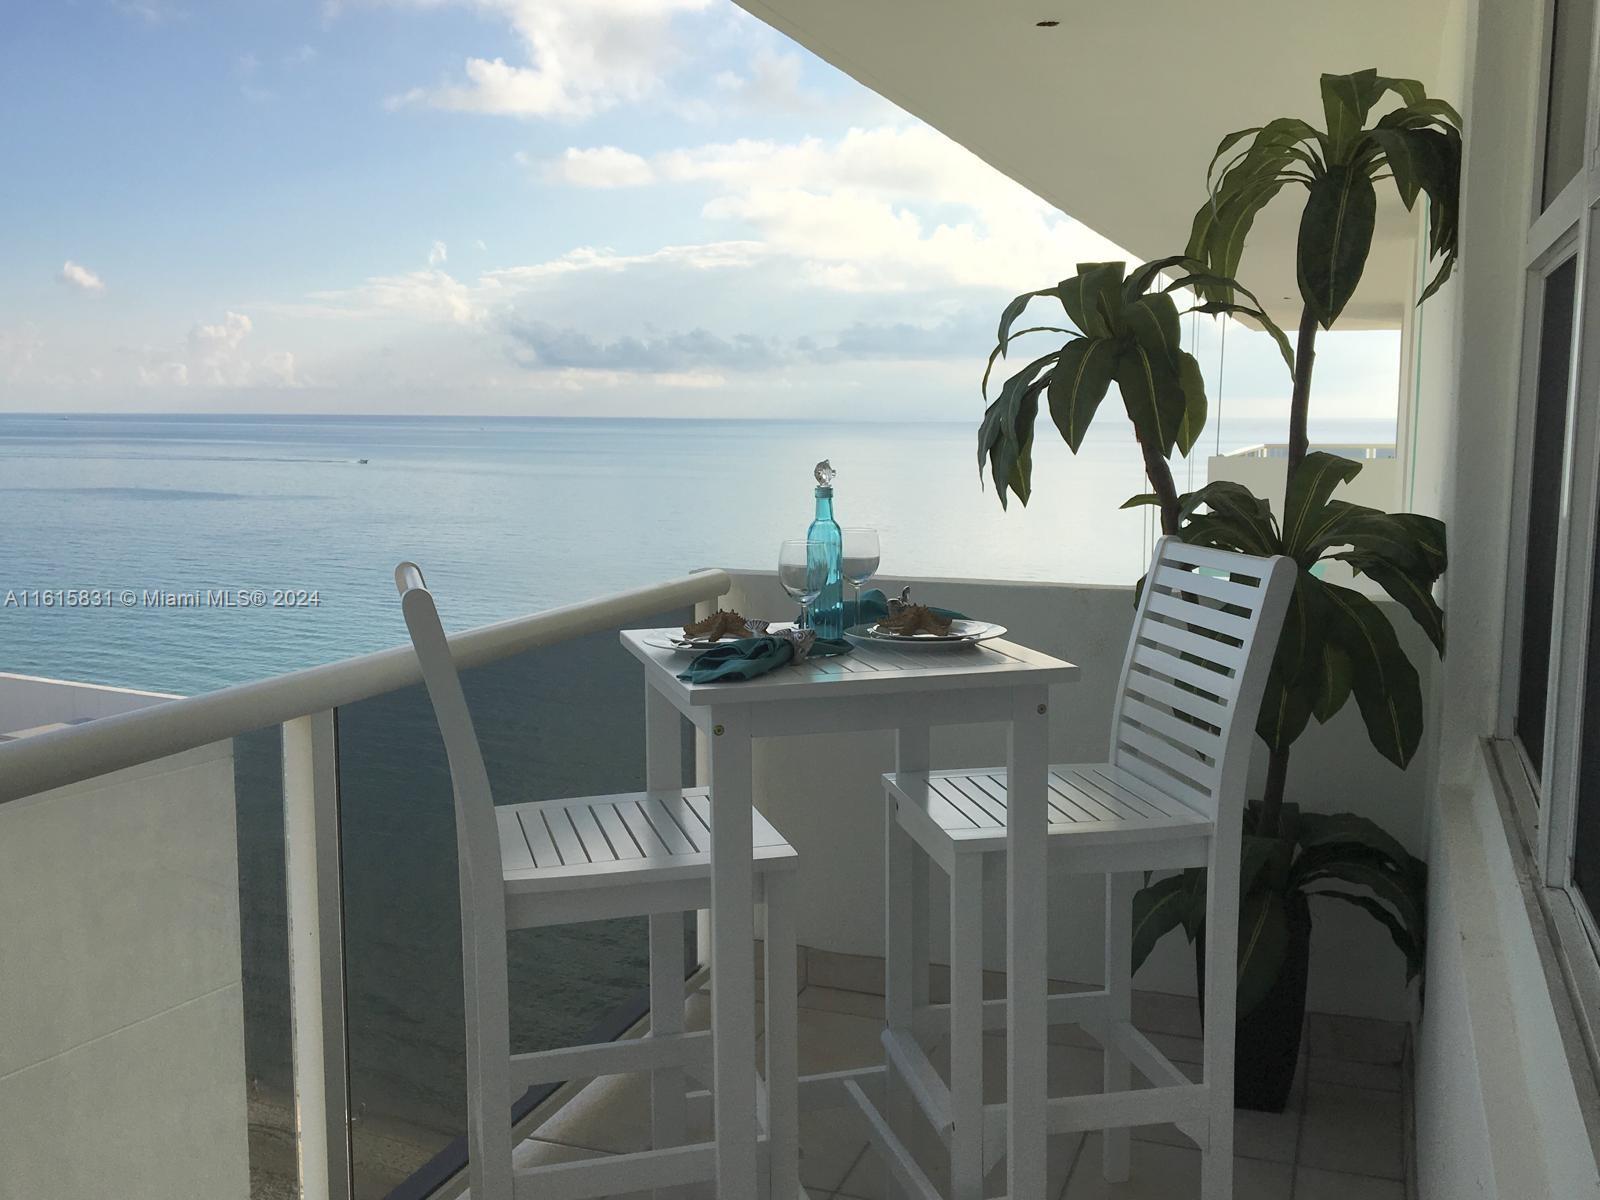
[
  {"x": 1027, "y": 762},
  {"x": 663, "y": 770},
  {"x": 663, "y": 742},
  {"x": 905, "y": 983},
  {"x": 733, "y": 968}
]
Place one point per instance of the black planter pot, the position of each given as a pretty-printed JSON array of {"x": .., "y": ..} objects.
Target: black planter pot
[{"x": 1267, "y": 1043}]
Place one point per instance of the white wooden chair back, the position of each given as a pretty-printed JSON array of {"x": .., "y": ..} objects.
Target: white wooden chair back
[
  {"x": 1204, "y": 634},
  {"x": 482, "y": 889}
]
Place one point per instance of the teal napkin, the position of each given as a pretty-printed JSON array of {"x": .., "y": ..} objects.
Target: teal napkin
[
  {"x": 747, "y": 658},
  {"x": 874, "y": 606},
  {"x": 743, "y": 659}
]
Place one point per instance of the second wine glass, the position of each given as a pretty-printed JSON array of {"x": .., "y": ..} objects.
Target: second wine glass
[
  {"x": 860, "y": 555},
  {"x": 803, "y": 570}
]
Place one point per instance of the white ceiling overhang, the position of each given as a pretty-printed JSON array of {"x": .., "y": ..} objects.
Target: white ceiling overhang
[{"x": 1113, "y": 114}]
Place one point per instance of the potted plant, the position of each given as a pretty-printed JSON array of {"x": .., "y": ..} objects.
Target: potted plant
[{"x": 1337, "y": 644}]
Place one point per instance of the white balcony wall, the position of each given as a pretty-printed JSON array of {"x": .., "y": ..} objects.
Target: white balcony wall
[
  {"x": 122, "y": 1049},
  {"x": 823, "y": 793}
]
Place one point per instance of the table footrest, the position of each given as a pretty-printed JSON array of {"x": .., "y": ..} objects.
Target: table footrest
[
  {"x": 1183, "y": 1106},
  {"x": 651, "y": 1053},
  {"x": 901, "y": 1162},
  {"x": 931, "y": 1092},
  {"x": 618, "y": 1175},
  {"x": 1063, "y": 1008}
]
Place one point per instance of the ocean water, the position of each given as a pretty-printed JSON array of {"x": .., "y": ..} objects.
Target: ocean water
[{"x": 506, "y": 516}]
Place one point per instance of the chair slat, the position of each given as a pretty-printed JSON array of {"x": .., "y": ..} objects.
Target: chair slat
[
  {"x": 1138, "y": 806},
  {"x": 667, "y": 829},
  {"x": 1217, "y": 560},
  {"x": 1243, "y": 595},
  {"x": 515, "y": 854},
  {"x": 538, "y": 835},
  {"x": 1166, "y": 805},
  {"x": 1193, "y": 737},
  {"x": 566, "y": 838},
  {"x": 1207, "y": 708},
  {"x": 1199, "y": 615},
  {"x": 700, "y": 804},
  {"x": 952, "y": 795},
  {"x": 1186, "y": 768},
  {"x": 643, "y": 833},
  {"x": 676, "y": 826},
  {"x": 1165, "y": 661},
  {"x": 982, "y": 800},
  {"x": 616, "y": 829},
  {"x": 595, "y": 844},
  {"x": 1209, "y": 649}
]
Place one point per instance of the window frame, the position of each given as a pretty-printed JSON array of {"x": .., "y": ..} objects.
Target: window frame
[{"x": 1545, "y": 802}]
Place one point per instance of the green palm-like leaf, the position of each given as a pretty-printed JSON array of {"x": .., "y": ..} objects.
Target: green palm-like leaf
[
  {"x": 1000, "y": 350},
  {"x": 1406, "y": 588},
  {"x": 1320, "y": 830},
  {"x": 1152, "y": 396},
  {"x": 1308, "y": 494},
  {"x": 1078, "y": 384},
  {"x": 1383, "y": 680},
  {"x": 1153, "y": 322},
  {"x": 1263, "y": 942},
  {"x": 1239, "y": 504},
  {"x": 1006, "y": 436},
  {"x": 1158, "y": 909},
  {"x": 1407, "y": 943},
  {"x": 1013, "y": 310},
  {"x": 1334, "y": 681},
  {"x": 1092, "y": 297},
  {"x": 1335, "y": 238},
  {"x": 1191, "y": 381}
]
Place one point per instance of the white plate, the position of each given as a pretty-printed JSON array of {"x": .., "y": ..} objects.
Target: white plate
[
  {"x": 962, "y": 633},
  {"x": 673, "y": 639}
]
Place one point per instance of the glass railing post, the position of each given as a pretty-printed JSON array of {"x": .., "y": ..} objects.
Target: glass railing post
[{"x": 316, "y": 955}]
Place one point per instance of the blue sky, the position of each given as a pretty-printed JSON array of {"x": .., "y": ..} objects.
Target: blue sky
[{"x": 506, "y": 206}]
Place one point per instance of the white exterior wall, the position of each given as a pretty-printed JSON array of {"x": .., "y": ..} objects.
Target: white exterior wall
[
  {"x": 1497, "y": 1112},
  {"x": 823, "y": 793},
  {"x": 121, "y": 1020}
]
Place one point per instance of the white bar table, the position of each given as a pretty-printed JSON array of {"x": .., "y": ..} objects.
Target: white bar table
[{"x": 909, "y": 692}]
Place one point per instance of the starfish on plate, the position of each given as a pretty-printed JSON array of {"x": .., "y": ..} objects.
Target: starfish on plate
[
  {"x": 911, "y": 619},
  {"x": 720, "y": 624}
]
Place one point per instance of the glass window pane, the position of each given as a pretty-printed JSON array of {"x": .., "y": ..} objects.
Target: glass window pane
[
  {"x": 564, "y": 720},
  {"x": 1566, "y": 107},
  {"x": 1586, "y": 834},
  {"x": 1544, "y": 504}
]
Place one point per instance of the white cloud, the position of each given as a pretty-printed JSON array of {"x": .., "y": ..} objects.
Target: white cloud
[
  {"x": 437, "y": 254},
  {"x": 582, "y": 56},
  {"x": 857, "y": 211},
  {"x": 430, "y": 296},
  {"x": 299, "y": 56},
  {"x": 213, "y": 355},
  {"x": 601, "y": 167},
  {"x": 81, "y": 277}
]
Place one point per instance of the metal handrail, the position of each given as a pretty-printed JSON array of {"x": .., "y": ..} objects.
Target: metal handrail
[{"x": 65, "y": 756}]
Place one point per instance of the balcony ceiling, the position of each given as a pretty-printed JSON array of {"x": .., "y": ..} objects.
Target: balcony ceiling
[{"x": 1112, "y": 115}]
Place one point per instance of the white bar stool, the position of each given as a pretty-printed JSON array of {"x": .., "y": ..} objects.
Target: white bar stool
[
  {"x": 1170, "y": 796},
  {"x": 598, "y": 857}
]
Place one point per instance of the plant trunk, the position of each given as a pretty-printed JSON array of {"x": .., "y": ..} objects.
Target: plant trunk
[
  {"x": 1159, "y": 472},
  {"x": 1272, "y": 798},
  {"x": 1305, "y": 356}
]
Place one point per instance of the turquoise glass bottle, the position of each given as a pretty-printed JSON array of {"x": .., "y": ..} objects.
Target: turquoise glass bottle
[{"x": 827, "y": 611}]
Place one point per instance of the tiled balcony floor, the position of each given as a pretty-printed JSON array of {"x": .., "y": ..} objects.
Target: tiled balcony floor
[{"x": 1343, "y": 1137}]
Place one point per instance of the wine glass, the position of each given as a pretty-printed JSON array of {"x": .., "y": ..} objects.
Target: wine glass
[
  {"x": 860, "y": 555},
  {"x": 803, "y": 570}
]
